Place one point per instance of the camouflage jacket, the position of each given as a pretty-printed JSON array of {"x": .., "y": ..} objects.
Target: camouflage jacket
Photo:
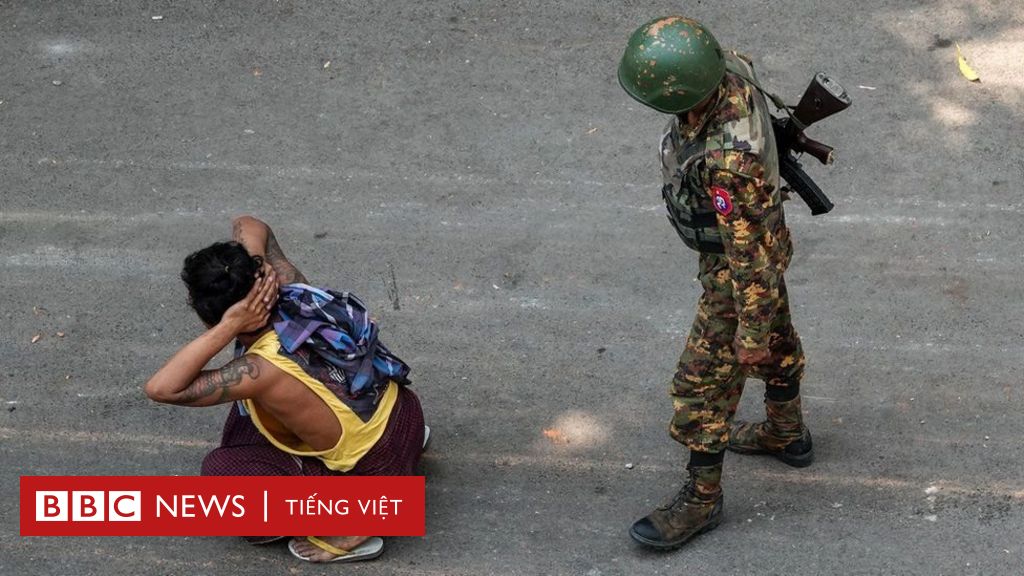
[{"x": 727, "y": 168}]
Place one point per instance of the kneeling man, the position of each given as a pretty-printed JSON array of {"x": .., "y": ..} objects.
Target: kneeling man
[{"x": 314, "y": 392}]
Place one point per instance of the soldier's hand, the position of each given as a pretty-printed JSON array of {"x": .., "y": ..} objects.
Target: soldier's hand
[{"x": 753, "y": 357}]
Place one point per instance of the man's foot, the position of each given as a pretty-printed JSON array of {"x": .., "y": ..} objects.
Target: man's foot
[
  {"x": 336, "y": 548},
  {"x": 693, "y": 511},
  {"x": 781, "y": 435}
]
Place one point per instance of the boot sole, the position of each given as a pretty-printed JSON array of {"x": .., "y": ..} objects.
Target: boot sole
[
  {"x": 794, "y": 460},
  {"x": 668, "y": 546}
]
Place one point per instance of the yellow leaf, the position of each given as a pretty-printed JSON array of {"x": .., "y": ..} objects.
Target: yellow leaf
[{"x": 965, "y": 68}]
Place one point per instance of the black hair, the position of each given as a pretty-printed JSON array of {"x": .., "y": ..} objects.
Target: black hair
[{"x": 217, "y": 277}]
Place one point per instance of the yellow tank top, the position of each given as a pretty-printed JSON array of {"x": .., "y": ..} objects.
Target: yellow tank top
[{"x": 357, "y": 437}]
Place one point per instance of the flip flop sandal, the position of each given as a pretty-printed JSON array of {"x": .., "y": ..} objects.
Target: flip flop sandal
[
  {"x": 426, "y": 438},
  {"x": 368, "y": 550}
]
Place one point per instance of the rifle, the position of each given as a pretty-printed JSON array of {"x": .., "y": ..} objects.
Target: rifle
[{"x": 823, "y": 98}]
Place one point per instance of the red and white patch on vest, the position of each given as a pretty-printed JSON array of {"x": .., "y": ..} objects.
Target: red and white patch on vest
[{"x": 722, "y": 201}]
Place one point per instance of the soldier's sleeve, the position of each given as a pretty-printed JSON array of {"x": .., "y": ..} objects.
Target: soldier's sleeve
[{"x": 743, "y": 200}]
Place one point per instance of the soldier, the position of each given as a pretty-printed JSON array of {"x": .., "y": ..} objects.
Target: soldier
[{"x": 721, "y": 187}]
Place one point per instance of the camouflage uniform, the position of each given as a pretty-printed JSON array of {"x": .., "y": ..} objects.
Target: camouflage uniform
[{"x": 721, "y": 186}]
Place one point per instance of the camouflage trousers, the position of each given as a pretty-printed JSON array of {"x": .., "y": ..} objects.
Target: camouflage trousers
[{"x": 708, "y": 382}]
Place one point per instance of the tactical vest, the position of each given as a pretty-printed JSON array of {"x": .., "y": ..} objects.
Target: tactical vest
[{"x": 687, "y": 164}]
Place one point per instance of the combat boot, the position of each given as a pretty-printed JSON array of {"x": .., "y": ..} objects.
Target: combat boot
[
  {"x": 782, "y": 434},
  {"x": 696, "y": 509}
]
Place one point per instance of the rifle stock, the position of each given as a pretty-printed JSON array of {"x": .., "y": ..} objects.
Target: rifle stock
[{"x": 823, "y": 98}]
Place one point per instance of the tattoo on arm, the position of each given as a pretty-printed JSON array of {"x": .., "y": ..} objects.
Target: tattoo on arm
[
  {"x": 285, "y": 269},
  {"x": 220, "y": 381},
  {"x": 236, "y": 231}
]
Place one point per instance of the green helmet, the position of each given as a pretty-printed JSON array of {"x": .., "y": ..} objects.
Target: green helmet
[{"x": 671, "y": 64}]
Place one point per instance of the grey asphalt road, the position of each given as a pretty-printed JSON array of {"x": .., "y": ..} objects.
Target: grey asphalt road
[{"x": 485, "y": 153}]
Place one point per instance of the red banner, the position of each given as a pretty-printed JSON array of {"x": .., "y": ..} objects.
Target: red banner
[{"x": 222, "y": 506}]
